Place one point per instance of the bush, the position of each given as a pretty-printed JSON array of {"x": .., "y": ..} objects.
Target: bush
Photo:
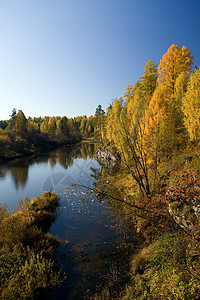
[
  {"x": 166, "y": 269},
  {"x": 28, "y": 255}
]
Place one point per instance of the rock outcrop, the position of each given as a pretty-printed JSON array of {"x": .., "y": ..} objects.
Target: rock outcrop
[
  {"x": 106, "y": 158},
  {"x": 187, "y": 213}
]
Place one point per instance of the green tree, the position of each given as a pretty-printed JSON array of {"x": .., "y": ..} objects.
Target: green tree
[
  {"x": 62, "y": 127},
  {"x": 11, "y": 122},
  {"x": 149, "y": 78},
  {"x": 112, "y": 121},
  {"x": 3, "y": 124},
  {"x": 21, "y": 123},
  {"x": 99, "y": 120}
]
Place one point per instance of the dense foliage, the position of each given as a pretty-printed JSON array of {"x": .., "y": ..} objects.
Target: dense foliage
[
  {"x": 28, "y": 255},
  {"x": 21, "y": 136},
  {"x": 155, "y": 130},
  {"x": 158, "y": 116}
]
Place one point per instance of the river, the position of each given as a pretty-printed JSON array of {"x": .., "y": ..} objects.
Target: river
[{"x": 89, "y": 225}]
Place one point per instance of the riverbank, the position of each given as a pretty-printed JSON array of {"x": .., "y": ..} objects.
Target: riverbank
[
  {"x": 28, "y": 255},
  {"x": 165, "y": 264},
  {"x": 15, "y": 147},
  {"x": 89, "y": 141}
]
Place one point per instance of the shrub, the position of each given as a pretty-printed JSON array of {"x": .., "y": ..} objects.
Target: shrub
[
  {"x": 28, "y": 255},
  {"x": 167, "y": 269}
]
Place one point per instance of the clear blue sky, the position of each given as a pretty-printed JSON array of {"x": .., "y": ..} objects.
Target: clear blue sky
[{"x": 65, "y": 57}]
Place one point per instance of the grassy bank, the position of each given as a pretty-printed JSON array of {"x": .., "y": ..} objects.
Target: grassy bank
[
  {"x": 165, "y": 263},
  {"x": 28, "y": 255}
]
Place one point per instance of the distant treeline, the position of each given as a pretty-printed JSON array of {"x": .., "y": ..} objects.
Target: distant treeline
[
  {"x": 56, "y": 128},
  {"x": 20, "y": 135}
]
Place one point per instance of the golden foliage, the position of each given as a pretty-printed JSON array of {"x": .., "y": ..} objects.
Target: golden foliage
[
  {"x": 191, "y": 106},
  {"x": 173, "y": 63},
  {"x": 127, "y": 93}
]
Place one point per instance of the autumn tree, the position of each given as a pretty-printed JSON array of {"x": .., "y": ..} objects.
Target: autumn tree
[
  {"x": 44, "y": 125},
  {"x": 141, "y": 95},
  {"x": 173, "y": 73},
  {"x": 20, "y": 123},
  {"x": 129, "y": 144},
  {"x": 52, "y": 126},
  {"x": 112, "y": 120},
  {"x": 159, "y": 128},
  {"x": 177, "y": 104},
  {"x": 89, "y": 127},
  {"x": 72, "y": 129},
  {"x": 127, "y": 93},
  {"x": 62, "y": 127},
  {"x": 149, "y": 78},
  {"x": 82, "y": 126},
  {"x": 11, "y": 122},
  {"x": 173, "y": 63},
  {"x": 191, "y": 106},
  {"x": 99, "y": 120},
  {"x": 32, "y": 127}
]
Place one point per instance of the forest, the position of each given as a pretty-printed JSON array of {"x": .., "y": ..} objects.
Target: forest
[
  {"x": 153, "y": 131},
  {"x": 154, "y": 128},
  {"x": 21, "y": 136}
]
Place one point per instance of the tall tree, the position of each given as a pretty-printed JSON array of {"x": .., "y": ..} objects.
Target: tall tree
[
  {"x": 21, "y": 123},
  {"x": 11, "y": 122},
  {"x": 127, "y": 93},
  {"x": 65, "y": 130},
  {"x": 44, "y": 125},
  {"x": 149, "y": 78},
  {"x": 100, "y": 121},
  {"x": 112, "y": 121},
  {"x": 141, "y": 94},
  {"x": 191, "y": 106},
  {"x": 52, "y": 126},
  {"x": 160, "y": 129},
  {"x": 173, "y": 63},
  {"x": 177, "y": 103}
]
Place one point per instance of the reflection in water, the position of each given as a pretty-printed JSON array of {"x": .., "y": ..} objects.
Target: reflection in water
[
  {"x": 19, "y": 175},
  {"x": 87, "y": 223},
  {"x": 52, "y": 161},
  {"x": 64, "y": 156},
  {"x": 18, "y": 169},
  {"x": 2, "y": 172}
]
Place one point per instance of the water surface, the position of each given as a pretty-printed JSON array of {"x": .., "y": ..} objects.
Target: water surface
[{"x": 92, "y": 230}]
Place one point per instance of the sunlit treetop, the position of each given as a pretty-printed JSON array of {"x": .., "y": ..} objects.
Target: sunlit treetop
[
  {"x": 173, "y": 63},
  {"x": 127, "y": 93}
]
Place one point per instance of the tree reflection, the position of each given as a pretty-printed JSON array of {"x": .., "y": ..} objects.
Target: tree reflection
[
  {"x": 65, "y": 156},
  {"x": 52, "y": 161},
  {"x": 19, "y": 171},
  {"x": 3, "y": 172}
]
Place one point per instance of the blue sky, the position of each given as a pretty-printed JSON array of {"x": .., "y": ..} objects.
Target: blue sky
[{"x": 65, "y": 57}]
